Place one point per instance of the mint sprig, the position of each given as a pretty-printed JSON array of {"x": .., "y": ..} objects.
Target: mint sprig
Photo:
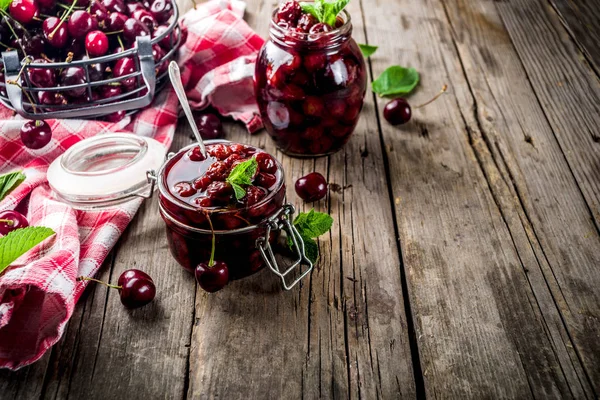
[
  {"x": 325, "y": 11},
  {"x": 395, "y": 81},
  {"x": 19, "y": 242},
  {"x": 8, "y": 182},
  {"x": 242, "y": 174},
  {"x": 367, "y": 50},
  {"x": 310, "y": 226},
  {"x": 4, "y": 4}
]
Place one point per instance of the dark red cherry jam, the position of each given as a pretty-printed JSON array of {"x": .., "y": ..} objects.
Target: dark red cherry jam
[
  {"x": 193, "y": 189},
  {"x": 310, "y": 82}
]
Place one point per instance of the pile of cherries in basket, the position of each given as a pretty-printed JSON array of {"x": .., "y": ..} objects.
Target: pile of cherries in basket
[{"x": 49, "y": 31}]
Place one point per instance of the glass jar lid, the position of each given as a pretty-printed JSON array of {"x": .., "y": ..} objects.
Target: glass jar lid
[{"x": 105, "y": 170}]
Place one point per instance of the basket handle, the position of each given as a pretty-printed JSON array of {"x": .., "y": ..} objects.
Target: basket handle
[{"x": 12, "y": 67}]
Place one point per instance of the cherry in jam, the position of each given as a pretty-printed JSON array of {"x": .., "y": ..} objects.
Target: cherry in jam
[{"x": 310, "y": 82}]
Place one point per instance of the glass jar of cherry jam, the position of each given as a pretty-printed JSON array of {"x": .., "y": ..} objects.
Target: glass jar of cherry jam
[
  {"x": 310, "y": 83},
  {"x": 195, "y": 202}
]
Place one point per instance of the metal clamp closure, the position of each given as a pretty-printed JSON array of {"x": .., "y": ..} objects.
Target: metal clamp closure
[{"x": 282, "y": 220}]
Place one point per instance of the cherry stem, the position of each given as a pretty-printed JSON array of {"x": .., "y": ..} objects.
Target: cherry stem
[
  {"x": 14, "y": 33},
  {"x": 444, "y": 88},
  {"x": 86, "y": 278},
  {"x": 120, "y": 42},
  {"x": 211, "y": 262},
  {"x": 9, "y": 222},
  {"x": 113, "y": 32},
  {"x": 62, "y": 19}
]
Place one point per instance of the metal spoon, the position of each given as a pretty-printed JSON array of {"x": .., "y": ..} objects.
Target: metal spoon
[{"x": 175, "y": 76}]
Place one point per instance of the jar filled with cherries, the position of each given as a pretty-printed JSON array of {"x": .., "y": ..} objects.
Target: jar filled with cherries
[{"x": 310, "y": 79}]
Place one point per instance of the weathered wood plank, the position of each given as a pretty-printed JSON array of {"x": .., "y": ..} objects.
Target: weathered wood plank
[
  {"x": 482, "y": 333},
  {"x": 334, "y": 337},
  {"x": 582, "y": 19},
  {"x": 535, "y": 188},
  {"x": 568, "y": 92}
]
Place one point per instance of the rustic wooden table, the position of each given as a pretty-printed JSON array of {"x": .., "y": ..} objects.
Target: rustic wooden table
[{"x": 464, "y": 261}]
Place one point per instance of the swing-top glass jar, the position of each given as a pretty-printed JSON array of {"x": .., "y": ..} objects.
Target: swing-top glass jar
[{"x": 310, "y": 82}]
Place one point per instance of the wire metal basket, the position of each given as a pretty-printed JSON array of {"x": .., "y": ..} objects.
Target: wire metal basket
[{"x": 145, "y": 78}]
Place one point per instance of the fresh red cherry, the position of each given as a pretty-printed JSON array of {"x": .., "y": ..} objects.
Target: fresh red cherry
[
  {"x": 161, "y": 10},
  {"x": 125, "y": 66},
  {"x": 311, "y": 187},
  {"x": 80, "y": 23},
  {"x": 116, "y": 116},
  {"x": 115, "y": 6},
  {"x": 99, "y": 12},
  {"x": 133, "y": 7},
  {"x": 397, "y": 111},
  {"x": 116, "y": 22},
  {"x": 33, "y": 45},
  {"x": 212, "y": 278},
  {"x": 41, "y": 77},
  {"x": 136, "y": 288},
  {"x": 266, "y": 163},
  {"x": 36, "y": 134},
  {"x": 73, "y": 76},
  {"x": 107, "y": 91},
  {"x": 11, "y": 220},
  {"x": 166, "y": 41},
  {"x": 51, "y": 98},
  {"x": 158, "y": 54},
  {"x": 210, "y": 126},
  {"x": 96, "y": 43},
  {"x": 23, "y": 10},
  {"x": 55, "y": 37},
  {"x": 290, "y": 12},
  {"x": 46, "y": 4},
  {"x": 146, "y": 18},
  {"x": 134, "y": 28}
]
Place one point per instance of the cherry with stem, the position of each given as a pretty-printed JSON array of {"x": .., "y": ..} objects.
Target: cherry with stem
[
  {"x": 214, "y": 275},
  {"x": 136, "y": 288},
  {"x": 398, "y": 111}
]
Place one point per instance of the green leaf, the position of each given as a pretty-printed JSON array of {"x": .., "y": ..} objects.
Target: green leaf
[
  {"x": 8, "y": 182},
  {"x": 313, "y": 224},
  {"x": 19, "y": 242},
  {"x": 311, "y": 249},
  {"x": 238, "y": 190},
  {"x": 4, "y": 4},
  {"x": 396, "y": 80},
  {"x": 310, "y": 8},
  {"x": 325, "y": 11},
  {"x": 367, "y": 50},
  {"x": 242, "y": 174}
]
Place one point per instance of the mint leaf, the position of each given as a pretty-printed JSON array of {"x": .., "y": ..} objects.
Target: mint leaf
[
  {"x": 367, "y": 50},
  {"x": 396, "y": 80},
  {"x": 238, "y": 190},
  {"x": 8, "y": 182},
  {"x": 324, "y": 11},
  {"x": 313, "y": 224},
  {"x": 312, "y": 9},
  {"x": 4, "y": 4},
  {"x": 19, "y": 242},
  {"x": 311, "y": 249},
  {"x": 242, "y": 174}
]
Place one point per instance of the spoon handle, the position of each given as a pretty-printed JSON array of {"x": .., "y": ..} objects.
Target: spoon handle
[{"x": 175, "y": 76}]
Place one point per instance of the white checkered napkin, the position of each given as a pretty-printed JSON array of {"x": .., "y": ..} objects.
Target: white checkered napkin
[{"x": 39, "y": 291}]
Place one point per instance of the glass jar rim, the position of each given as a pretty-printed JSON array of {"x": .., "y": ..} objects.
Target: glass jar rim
[
  {"x": 165, "y": 191},
  {"x": 278, "y": 33}
]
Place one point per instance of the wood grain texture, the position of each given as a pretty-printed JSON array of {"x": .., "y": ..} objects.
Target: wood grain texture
[
  {"x": 581, "y": 18},
  {"x": 535, "y": 187},
  {"x": 459, "y": 221},
  {"x": 343, "y": 333}
]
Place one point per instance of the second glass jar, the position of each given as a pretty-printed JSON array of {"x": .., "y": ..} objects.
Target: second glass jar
[{"x": 310, "y": 88}]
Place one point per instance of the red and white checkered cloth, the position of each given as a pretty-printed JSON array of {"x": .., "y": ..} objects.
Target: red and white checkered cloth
[{"x": 39, "y": 291}]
